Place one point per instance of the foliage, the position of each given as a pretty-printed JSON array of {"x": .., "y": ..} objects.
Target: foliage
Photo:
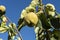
[{"x": 45, "y": 21}]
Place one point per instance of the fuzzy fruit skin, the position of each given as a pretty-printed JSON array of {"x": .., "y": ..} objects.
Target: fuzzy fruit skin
[{"x": 31, "y": 18}]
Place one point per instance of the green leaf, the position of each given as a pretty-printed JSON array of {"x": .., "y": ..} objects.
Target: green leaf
[{"x": 3, "y": 30}]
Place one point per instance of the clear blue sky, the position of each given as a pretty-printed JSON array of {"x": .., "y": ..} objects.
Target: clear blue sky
[{"x": 13, "y": 10}]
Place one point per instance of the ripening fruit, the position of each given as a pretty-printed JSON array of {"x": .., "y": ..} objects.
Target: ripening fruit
[
  {"x": 2, "y": 8},
  {"x": 31, "y": 18},
  {"x": 27, "y": 10}
]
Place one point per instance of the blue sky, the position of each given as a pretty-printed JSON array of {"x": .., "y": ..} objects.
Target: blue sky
[{"x": 13, "y": 10}]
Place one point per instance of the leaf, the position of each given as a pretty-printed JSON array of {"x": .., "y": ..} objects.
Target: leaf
[
  {"x": 52, "y": 38},
  {"x": 18, "y": 38},
  {"x": 1, "y": 39},
  {"x": 3, "y": 30},
  {"x": 57, "y": 33},
  {"x": 44, "y": 21}
]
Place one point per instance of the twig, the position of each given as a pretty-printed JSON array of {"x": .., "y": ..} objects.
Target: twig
[{"x": 15, "y": 28}]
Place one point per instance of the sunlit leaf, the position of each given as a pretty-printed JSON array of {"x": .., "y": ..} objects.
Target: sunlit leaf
[
  {"x": 2, "y": 29},
  {"x": 1, "y": 39}
]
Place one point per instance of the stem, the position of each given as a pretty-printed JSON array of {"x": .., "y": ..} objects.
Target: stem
[{"x": 40, "y": 1}]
